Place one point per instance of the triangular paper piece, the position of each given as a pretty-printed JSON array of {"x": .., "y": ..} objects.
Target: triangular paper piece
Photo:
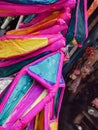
[
  {"x": 23, "y": 85},
  {"x": 47, "y": 69}
]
